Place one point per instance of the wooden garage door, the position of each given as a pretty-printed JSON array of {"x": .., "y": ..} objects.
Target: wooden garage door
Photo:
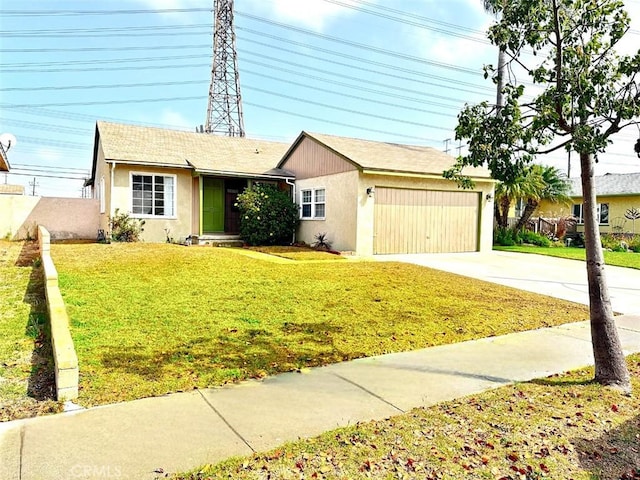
[{"x": 425, "y": 221}]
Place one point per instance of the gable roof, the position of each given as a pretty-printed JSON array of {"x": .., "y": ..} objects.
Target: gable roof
[
  {"x": 201, "y": 152},
  {"x": 385, "y": 156},
  {"x": 610, "y": 184}
]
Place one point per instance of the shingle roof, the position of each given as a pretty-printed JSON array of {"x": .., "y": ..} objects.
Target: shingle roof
[
  {"x": 372, "y": 155},
  {"x": 203, "y": 152},
  {"x": 611, "y": 184}
]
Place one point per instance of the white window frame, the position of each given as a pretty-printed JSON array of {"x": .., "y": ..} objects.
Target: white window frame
[
  {"x": 313, "y": 203},
  {"x": 598, "y": 213},
  {"x": 173, "y": 197}
]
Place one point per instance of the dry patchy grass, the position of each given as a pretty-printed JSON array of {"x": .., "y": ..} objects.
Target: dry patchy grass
[
  {"x": 152, "y": 319},
  {"x": 562, "y": 427},
  {"x": 26, "y": 368},
  {"x": 298, "y": 253}
]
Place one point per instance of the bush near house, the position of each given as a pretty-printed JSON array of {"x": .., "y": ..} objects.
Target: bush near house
[
  {"x": 268, "y": 215},
  {"x": 124, "y": 228},
  {"x": 508, "y": 237}
]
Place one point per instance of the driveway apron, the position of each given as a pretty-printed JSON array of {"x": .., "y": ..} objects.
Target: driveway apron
[{"x": 554, "y": 277}]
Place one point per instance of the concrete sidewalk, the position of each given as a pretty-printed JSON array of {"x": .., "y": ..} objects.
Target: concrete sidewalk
[{"x": 146, "y": 438}]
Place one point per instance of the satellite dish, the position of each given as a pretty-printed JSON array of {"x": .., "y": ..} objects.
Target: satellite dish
[{"x": 7, "y": 140}]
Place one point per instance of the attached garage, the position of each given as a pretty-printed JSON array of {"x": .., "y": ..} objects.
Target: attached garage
[
  {"x": 377, "y": 198},
  {"x": 425, "y": 221}
]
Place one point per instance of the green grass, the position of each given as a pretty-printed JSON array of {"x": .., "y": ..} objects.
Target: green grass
[
  {"x": 619, "y": 259},
  {"x": 560, "y": 427},
  {"x": 151, "y": 319},
  {"x": 25, "y": 360}
]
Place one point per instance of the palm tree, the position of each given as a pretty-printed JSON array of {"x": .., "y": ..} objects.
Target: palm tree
[
  {"x": 554, "y": 187},
  {"x": 527, "y": 185}
]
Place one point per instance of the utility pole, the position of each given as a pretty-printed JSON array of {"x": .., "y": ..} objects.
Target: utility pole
[
  {"x": 446, "y": 142},
  {"x": 224, "y": 114},
  {"x": 34, "y": 184}
]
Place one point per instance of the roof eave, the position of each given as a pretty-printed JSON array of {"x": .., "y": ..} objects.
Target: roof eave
[
  {"x": 225, "y": 173},
  {"x": 401, "y": 173}
]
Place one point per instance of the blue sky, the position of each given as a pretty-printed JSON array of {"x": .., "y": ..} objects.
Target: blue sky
[{"x": 385, "y": 70}]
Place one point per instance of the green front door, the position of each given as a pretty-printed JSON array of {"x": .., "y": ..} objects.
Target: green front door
[{"x": 212, "y": 205}]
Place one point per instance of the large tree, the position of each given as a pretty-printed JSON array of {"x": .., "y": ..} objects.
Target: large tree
[{"x": 584, "y": 92}]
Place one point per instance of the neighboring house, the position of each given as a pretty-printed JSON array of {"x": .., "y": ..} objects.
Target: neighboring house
[
  {"x": 6, "y": 189},
  {"x": 179, "y": 183},
  {"x": 615, "y": 194},
  {"x": 4, "y": 159},
  {"x": 377, "y": 198}
]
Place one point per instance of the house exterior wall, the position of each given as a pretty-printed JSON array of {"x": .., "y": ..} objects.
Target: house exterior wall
[
  {"x": 341, "y": 198},
  {"x": 365, "y": 233},
  {"x": 310, "y": 160},
  {"x": 64, "y": 218},
  {"x": 102, "y": 188},
  {"x": 618, "y": 205},
  {"x": 179, "y": 225}
]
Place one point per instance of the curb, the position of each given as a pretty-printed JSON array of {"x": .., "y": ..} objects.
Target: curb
[{"x": 64, "y": 353}]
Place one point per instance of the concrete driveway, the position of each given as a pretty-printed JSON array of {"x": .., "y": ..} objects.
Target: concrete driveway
[{"x": 555, "y": 277}]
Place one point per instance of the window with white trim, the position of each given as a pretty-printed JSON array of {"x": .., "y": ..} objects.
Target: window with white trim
[
  {"x": 153, "y": 195},
  {"x": 602, "y": 213},
  {"x": 312, "y": 203}
]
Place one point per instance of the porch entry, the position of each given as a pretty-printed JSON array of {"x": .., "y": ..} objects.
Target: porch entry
[{"x": 219, "y": 213}]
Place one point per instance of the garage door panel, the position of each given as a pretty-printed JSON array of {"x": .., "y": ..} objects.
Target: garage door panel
[{"x": 425, "y": 221}]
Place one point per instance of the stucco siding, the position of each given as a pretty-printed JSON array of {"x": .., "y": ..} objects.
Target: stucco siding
[
  {"x": 366, "y": 206},
  {"x": 618, "y": 205},
  {"x": 64, "y": 218},
  {"x": 310, "y": 160},
  {"x": 341, "y": 197},
  {"x": 178, "y": 226}
]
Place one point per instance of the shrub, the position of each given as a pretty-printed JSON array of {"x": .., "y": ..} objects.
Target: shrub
[
  {"x": 507, "y": 237},
  {"x": 321, "y": 241},
  {"x": 527, "y": 236},
  {"x": 268, "y": 215},
  {"x": 634, "y": 244},
  {"x": 613, "y": 243},
  {"x": 124, "y": 228}
]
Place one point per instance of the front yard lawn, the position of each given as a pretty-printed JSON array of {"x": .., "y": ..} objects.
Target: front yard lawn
[
  {"x": 618, "y": 259},
  {"x": 26, "y": 370},
  {"x": 559, "y": 428},
  {"x": 150, "y": 319},
  {"x": 297, "y": 253}
]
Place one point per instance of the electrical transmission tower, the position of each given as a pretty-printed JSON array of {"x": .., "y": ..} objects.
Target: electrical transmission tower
[{"x": 224, "y": 114}]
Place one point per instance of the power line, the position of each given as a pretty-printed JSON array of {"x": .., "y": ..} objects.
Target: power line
[{"x": 70, "y": 13}]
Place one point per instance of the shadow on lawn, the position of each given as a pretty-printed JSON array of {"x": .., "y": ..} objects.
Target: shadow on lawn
[
  {"x": 238, "y": 354},
  {"x": 614, "y": 455},
  {"x": 42, "y": 379}
]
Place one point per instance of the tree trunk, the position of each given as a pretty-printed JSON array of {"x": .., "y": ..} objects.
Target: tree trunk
[
  {"x": 505, "y": 204},
  {"x": 526, "y": 215},
  {"x": 502, "y": 67},
  {"x": 496, "y": 212},
  {"x": 611, "y": 367}
]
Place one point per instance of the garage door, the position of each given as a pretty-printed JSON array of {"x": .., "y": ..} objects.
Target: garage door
[{"x": 425, "y": 221}]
